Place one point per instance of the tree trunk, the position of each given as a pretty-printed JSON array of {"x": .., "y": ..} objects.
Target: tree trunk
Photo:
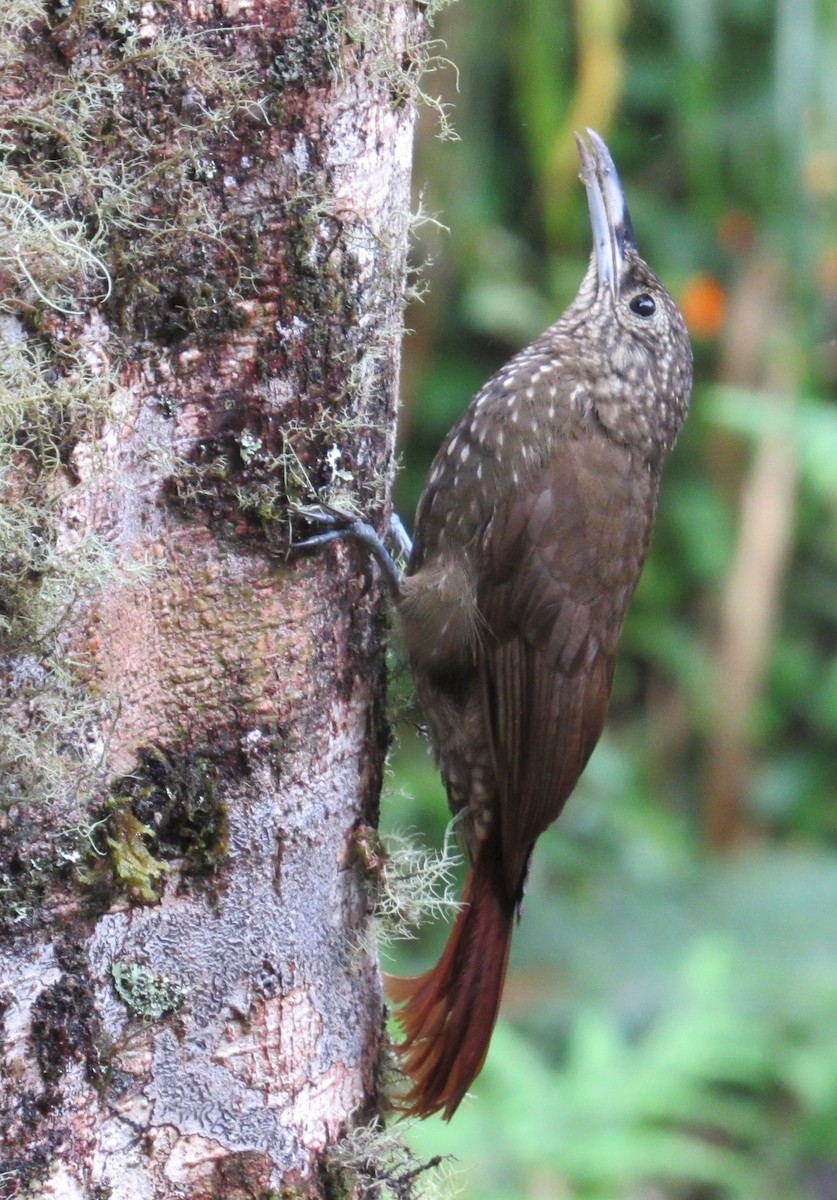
[{"x": 205, "y": 211}]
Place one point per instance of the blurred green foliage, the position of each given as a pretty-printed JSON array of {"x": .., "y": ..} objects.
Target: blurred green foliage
[{"x": 669, "y": 1030}]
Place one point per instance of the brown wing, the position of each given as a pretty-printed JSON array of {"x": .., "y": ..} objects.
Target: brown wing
[{"x": 562, "y": 558}]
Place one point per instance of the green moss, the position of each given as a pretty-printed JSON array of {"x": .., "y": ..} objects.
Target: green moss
[
  {"x": 147, "y": 995},
  {"x": 178, "y": 796},
  {"x": 133, "y": 863},
  {"x": 166, "y": 814}
]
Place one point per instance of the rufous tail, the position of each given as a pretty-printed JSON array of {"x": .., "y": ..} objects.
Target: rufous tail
[{"x": 448, "y": 1014}]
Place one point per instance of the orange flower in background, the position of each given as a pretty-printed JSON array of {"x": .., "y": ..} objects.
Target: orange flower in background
[{"x": 704, "y": 305}]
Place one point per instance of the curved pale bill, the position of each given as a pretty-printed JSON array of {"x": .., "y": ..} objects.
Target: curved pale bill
[{"x": 609, "y": 216}]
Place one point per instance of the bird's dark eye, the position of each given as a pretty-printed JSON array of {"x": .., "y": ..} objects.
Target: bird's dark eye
[{"x": 643, "y": 305}]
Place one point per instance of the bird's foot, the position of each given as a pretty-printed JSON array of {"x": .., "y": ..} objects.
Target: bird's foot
[{"x": 337, "y": 523}]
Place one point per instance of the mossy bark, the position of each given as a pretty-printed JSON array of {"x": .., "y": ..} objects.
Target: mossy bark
[{"x": 193, "y": 723}]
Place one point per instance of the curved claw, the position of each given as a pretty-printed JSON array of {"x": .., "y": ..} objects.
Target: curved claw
[
  {"x": 327, "y": 514},
  {"x": 342, "y": 524}
]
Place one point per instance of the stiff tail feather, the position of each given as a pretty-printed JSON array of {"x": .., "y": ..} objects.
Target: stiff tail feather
[{"x": 448, "y": 1014}]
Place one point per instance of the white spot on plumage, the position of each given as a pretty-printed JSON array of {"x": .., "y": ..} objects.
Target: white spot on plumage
[{"x": 466, "y": 451}]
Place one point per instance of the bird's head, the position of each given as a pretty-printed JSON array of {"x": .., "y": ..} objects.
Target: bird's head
[{"x": 624, "y": 311}]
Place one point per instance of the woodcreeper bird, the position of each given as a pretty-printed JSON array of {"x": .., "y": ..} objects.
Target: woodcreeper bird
[{"x": 530, "y": 536}]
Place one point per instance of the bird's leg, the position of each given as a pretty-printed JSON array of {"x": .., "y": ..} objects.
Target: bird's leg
[{"x": 337, "y": 523}]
